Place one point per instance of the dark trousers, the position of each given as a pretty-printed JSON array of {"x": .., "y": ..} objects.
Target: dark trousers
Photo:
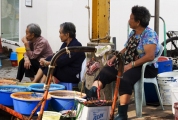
[
  {"x": 130, "y": 77},
  {"x": 28, "y": 72}
]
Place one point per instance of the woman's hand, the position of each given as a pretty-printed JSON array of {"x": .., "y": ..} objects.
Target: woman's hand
[
  {"x": 127, "y": 67},
  {"x": 24, "y": 40},
  {"x": 27, "y": 64},
  {"x": 110, "y": 61},
  {"x": 42, "y": 62}
]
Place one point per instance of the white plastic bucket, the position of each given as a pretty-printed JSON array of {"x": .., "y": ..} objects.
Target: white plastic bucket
[
  {"x": 50, "y": 115},
  {"x": 164, "y": 81},
  {"x": 174, "y": 95}
]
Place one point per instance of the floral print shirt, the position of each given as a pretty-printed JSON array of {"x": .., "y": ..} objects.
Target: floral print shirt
[{"x": 148, "y": 36}]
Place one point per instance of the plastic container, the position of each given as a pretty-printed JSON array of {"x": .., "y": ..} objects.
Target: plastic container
[
  {"x": 176, "y": 110},
  {"x": 20, "y": 51},
  {"x": 64, "y": 99},
  {"x": 25, "y": 84},
  {"x": 93, "y": 113},
  {"x": 163, "y": 58},
  {"x": 164, "y": 81},
  {"x": 8, "y": 82},
  {"x": 6, "y": 91},
  {"x": 164, "y": 66},
  {"x": 39, "y": 87},
  {"x": 13, "y": 59},
  {"x": 50, "y": 115},
  {"x": 174, "y": 94},
  {"x": 25, "y": 102},
  {"x": 68, "y": 115}
]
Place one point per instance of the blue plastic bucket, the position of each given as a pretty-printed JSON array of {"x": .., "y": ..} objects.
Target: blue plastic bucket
[
  {"x": 13, "y": 59},
  {"x": 25, "y": 102},
  {"x": 64, "y": 99},
  {"x": 164, "y": 66},
  {"x": 39, "y": 87},
  {"x": 13, "y": 56},
  {"x": 6, "y": 91}
]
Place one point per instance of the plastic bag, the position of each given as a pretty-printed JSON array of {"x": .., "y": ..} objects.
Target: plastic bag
[{"x": 92, "y": 66}]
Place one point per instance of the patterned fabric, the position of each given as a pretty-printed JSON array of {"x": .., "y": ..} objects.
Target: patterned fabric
[
  {"x": 148, "y": 36},
  {"x": 131, "y": 53}
]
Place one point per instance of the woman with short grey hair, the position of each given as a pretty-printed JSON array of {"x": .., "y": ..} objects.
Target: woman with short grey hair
[
  {"x": 34, "y": 28},
  {"x": 37, "y": 47}
]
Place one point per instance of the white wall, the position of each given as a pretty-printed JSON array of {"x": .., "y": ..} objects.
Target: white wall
[
  {"x": 60, "y": 11},
  {"x": 49, "y": 14},
  {"x": 120, "y": 12},
  {"x": 35, "y": 14}
]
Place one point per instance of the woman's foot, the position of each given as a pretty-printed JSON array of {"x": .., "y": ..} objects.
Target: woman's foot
[
  {"x": 92, "y": 92},
  {"x": 122, "y": 112}
]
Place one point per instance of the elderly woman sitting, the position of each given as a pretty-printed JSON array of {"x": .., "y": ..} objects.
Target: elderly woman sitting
[
  {"x": 141, "y": 47},
  {"x": 67, "y": 67}
]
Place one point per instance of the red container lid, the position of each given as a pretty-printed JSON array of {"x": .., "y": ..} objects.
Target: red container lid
[{"x": 163, "y": 58}]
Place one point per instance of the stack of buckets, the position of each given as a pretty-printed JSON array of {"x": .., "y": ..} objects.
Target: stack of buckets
[
  {"x": 164, "y": 65},
  {"x": 168, "y": 82},
  {"x": 15, "y": 57},
  {"x": 165, "y": 77}
]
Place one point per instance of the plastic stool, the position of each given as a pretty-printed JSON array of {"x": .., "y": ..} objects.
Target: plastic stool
[{"x": 69, "y": 86}]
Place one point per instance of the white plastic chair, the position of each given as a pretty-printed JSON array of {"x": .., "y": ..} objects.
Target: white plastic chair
[{"x": 139, "y": 87}]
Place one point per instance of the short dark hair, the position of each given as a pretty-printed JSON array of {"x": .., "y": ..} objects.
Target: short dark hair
[
  {"x": 34, "y": 28},
  {"x": 141, "y": 14},
  {"x": 68, "y": 27}
]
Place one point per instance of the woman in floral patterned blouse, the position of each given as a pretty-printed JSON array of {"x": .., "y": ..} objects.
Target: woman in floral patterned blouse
[{"x": 141, "y": 47}]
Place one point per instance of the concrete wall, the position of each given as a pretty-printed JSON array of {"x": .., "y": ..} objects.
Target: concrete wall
[
  {"x": 35, "y": 14},
  {"x": 60, "y": 11},
  {"x": 49, "y": 14},
  {"x": 120, "y": 12}
]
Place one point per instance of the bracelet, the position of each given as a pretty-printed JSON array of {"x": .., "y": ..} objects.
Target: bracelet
[
  {"x": 133, "y": 64},
  {"x": 45, "y": 63},
  {"x": 27, "y": 49},
  {"x": 25, "y": 57}
]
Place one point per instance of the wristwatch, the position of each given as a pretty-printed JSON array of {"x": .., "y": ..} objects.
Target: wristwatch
[{"x": 27, "y": 49}]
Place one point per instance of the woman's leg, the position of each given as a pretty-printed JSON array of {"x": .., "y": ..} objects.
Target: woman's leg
[
  {"x": 124, "y": 99},
  {"x": 35, "y": 65},
  {"x": 106, "y": 76},
  {"x": 21, "y": 70},
  {"x": 38, "y": 76},
  {"x": 130, "y": 77},
  {"x": 43, "y": 79},
  {"x": 98, "y": 84}
]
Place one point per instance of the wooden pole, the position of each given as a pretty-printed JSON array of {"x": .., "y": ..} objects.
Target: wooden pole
[{"x": 120, "y": 61}]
